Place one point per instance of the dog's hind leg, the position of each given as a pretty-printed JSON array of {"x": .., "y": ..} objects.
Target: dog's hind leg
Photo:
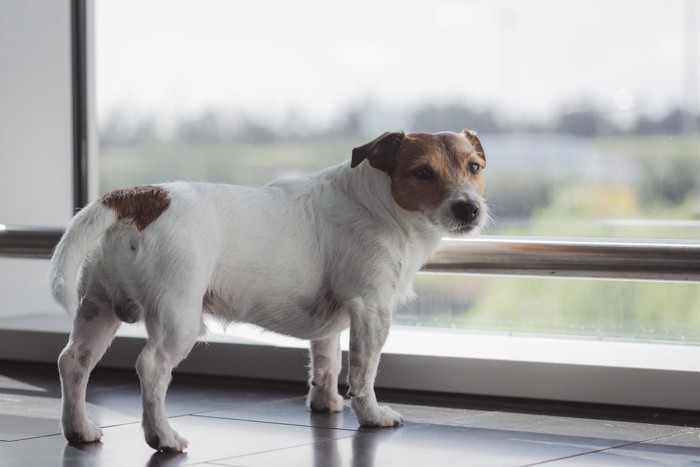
[
  {"x": 173, "y": 329},
  {"x": 94, "y": 327},
  {"x": 326, "y": 362}
]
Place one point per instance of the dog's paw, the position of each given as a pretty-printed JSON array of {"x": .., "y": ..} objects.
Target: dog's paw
[
  {"x": 167, "y": 442},
  {"x": 85, "y": 432},
  {"x": 322, "y": 401},
  {"x": 385, "y": 418},
  {"x": 373, "y": 415}
]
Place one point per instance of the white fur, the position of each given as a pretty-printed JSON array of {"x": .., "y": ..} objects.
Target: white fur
[{"x": 307, "y": 257}]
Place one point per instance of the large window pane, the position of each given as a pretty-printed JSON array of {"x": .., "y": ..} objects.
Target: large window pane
[{"x": 588, "y": 113}]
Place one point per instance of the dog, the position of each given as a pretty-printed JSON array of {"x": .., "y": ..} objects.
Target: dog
[{"x": 306, "y": 257}]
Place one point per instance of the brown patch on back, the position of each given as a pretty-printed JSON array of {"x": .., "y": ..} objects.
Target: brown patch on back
[{"x": 140, "y": 205}]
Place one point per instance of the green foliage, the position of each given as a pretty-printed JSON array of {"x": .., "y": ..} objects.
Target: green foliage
[
  {"x": 669, "y": 180},
  {"x": 625, "y": 309}
]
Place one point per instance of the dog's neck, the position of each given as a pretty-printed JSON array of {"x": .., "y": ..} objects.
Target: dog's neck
[{"x": 372, "y": 189}]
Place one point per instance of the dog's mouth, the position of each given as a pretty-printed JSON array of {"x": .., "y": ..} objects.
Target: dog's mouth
[
  {"x": 465, "y": 229},
  {"x": 458, "y": 228}
]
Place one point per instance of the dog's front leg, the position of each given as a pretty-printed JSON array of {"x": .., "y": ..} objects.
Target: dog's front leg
[
  {"x": 368, "y": 332},
  {"x": 323, "y": 376}
]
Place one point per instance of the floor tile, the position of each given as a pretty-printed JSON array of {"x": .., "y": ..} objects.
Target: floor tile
[
  {"x": 26, "y": 416},
  {"x": 678, "y": 450},
  {"x": 210, "y": 439},
  {"x": 30, "y": 401},
  {"x": 418, "y": 444},
  {"x": 291, "y": 411},
  {"x": 434, "y": 415},
  {"x": 619, "y": 431}
]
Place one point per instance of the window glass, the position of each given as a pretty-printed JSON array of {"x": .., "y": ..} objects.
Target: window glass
[{"x": 588, "y": 113}]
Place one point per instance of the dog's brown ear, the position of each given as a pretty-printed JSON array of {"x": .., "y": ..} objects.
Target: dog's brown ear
[
  {"x": 471, "y": 136},
  {"x": 381, "y": 152}
]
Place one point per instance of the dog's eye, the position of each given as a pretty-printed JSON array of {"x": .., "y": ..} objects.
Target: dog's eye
[
  {"x": 425, "y": 173},
  {"x": 474, "y": 168}
]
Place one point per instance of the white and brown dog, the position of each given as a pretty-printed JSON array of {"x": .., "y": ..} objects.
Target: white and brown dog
[{"x": 307, "y": 257}]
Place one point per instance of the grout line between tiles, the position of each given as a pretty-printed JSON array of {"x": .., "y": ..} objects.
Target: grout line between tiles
[
  {"x": 59, "y": 433},
  {"x": 229, "y": 405},
  {"x": 277, "y": 449},
  {"x": 352, "y": 430},
  {"x": 611, "y": 448}
]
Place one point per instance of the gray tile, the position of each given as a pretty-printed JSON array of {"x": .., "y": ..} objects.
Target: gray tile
[
  {"x": 678, "y": 450},
  {"x": 30, "y": 401},
  {"x": 435, "y": 415},
  {"x": 30, "y": 404},
  {"x": 430, "y": 445},
  {"x": 190, "y": 396},
  {"x": 621, "y": 432},
  {"x": 23, "y": 416},
  {"x": 291, "y": 411},
  {"x": 210, "y": 439}
]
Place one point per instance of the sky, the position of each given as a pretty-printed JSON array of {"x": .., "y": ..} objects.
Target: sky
[{"x": 168, "y": 58}]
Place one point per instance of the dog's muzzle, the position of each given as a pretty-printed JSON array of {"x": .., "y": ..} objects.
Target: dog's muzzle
[{"x": 466, "y": 213}]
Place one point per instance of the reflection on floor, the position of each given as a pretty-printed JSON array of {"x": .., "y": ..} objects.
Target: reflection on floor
[{"x": 247, "y": 423}]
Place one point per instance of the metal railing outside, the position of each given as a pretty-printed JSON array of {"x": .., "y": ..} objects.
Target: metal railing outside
[
  {"x": 28, "y": 242},
  {"x": 674, "y": 260}
]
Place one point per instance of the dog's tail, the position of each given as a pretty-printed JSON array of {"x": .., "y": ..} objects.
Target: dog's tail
[{"x": 80, "y": 235}]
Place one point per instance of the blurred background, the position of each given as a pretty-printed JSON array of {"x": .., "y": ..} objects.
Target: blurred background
[{"x": 588, "y": 113}]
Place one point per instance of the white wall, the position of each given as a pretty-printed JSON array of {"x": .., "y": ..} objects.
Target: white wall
[{"x": 35, "y": 138}]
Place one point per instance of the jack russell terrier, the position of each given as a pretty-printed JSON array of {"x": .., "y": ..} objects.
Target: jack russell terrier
[{"x": 307, "y": 257}]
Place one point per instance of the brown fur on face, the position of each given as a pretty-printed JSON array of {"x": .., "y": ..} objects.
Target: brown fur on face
[
  {"x": 450, "y": 157},
  {"x": 140, "y": 205}
]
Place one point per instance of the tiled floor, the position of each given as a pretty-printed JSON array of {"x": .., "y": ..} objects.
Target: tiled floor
[{"x": 244, "y": 423}]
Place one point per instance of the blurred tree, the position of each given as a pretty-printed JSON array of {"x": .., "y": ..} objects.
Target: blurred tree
[
  {"x": 201, "y": 129},
  {"x": 587, "y": 122},
  {"x": 452, "y": 116},
  {"x": 672, "y": 123},
  {"x": 120, "y": 130},
  {"x": 668, "y": 179},
  {"x": 514, "y": 197}
]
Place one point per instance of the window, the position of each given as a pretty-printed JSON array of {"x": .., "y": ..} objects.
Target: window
[{"x": 593, "y": 134}]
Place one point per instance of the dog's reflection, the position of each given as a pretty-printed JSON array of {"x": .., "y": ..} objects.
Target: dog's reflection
[
  {"x": 169, "y": 459},
  {"x": 81, "y": 454},
  {"x": 365, "y": 442},
  {"x": 88, "y": 455}
]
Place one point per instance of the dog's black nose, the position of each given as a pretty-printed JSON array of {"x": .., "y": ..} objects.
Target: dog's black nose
[{"x": 465, "y": 211}]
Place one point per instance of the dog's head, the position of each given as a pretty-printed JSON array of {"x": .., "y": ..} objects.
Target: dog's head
[{"x": 439, "y": 175}]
